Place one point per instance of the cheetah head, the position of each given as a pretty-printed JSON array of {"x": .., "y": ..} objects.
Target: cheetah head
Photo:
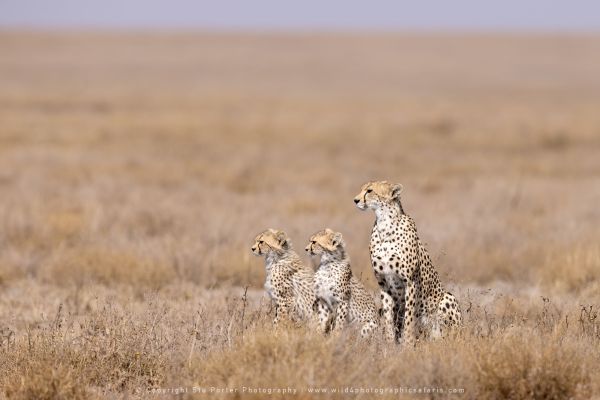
[
  {"x": 376, "y": 194},
  {"x": 323, "y": 241},
  {"x": 271, "y": 240}
]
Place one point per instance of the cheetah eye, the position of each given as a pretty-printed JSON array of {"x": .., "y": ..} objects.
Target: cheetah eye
[
  {"x": 313, "y": 242},
  {"x": 369, "y": 190},
  {"x": 260, "y": 242}
]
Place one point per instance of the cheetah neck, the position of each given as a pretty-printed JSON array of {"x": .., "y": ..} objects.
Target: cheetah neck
[
  {"x": 387, "y": 216},
  {"x": 274, "y": 257},
  {"x": 339, "y": 255}
]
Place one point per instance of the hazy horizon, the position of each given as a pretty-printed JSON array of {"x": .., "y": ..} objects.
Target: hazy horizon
[{"x": 335, "y": 15}]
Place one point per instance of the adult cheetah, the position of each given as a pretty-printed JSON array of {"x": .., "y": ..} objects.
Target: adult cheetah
[
  {"x": 289, "y": 282},
  {"x": 413, "y": 299},
  {"x": 341, "y": 297}
]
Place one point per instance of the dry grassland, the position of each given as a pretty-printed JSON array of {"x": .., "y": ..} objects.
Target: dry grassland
[{"x": 136, "y": 169}]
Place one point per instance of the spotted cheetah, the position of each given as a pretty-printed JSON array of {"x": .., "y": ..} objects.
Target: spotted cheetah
[
  {"x": 341, "y": 297},
  {"x": 413, "y": 299},
  {"x": 289, "y": 282}
]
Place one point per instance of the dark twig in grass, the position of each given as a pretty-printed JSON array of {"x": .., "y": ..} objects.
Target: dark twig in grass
[
  {"x": 244, "y": 303},
  {"x": 195, "y": 336}
]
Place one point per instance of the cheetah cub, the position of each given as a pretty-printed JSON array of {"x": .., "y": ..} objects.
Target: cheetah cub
[
  {"x": 289, "y": 282},
  {"x": 341, "y": 297}
]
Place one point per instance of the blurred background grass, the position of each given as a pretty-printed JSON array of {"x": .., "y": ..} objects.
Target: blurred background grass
[{"x": 178, "y": 148}]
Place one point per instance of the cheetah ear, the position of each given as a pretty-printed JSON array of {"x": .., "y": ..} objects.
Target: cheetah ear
[
  {"x": 282, "y": 239},
  {"x": 337, "y": 239},
  {"x": 396, "y": 190}
]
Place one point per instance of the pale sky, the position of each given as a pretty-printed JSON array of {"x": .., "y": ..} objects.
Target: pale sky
[{"x": 503, "y": 15}]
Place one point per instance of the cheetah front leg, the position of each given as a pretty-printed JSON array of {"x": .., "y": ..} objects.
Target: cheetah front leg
[
  {"x": 388, "y": 313},
  {"x": 399, "y": 310},
  {"x": 409, "y": 335},
  {"x": 387, "y": 310},
  {"x": 282, "y": 311},
  {"x": 341, "y": 316},
  {"x": 325, "y": 316}
]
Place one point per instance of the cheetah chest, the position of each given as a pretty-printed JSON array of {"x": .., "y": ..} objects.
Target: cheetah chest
[
  {"x": 325, "y": 287},
  {"x": 387, "y": 260},
  {"x": 269, "y": 285},
  {"x": 386, "y": 253},
  {"x": 276, "y": 283}
]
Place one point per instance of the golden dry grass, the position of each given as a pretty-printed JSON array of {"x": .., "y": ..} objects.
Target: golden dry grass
[{"x": 136, "y": 169}]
